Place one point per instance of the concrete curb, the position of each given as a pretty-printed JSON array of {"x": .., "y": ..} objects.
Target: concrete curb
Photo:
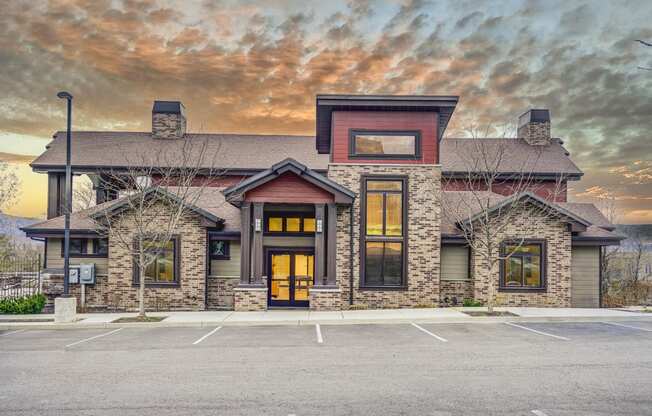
[{"x": 349, "y": 321}]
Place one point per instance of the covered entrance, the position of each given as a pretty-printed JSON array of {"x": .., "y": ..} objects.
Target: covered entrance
[{"x": 291, "y": 275}]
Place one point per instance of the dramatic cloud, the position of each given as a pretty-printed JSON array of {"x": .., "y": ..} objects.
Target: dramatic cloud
[{"x": 255, "y": 67}]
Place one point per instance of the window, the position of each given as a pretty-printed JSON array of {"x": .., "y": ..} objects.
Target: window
[
  {"x": 525, "y": 266},
  {"x": 220, "y": 249},
  {"x": 383, "y": 229},
  {"x": 101, "y": 247},
  {"x": 78, "y": 247},
  {"x": 164, "y": 266},
  {"x": 384, "y": 144},
  {"x": 295, "y": 223}
]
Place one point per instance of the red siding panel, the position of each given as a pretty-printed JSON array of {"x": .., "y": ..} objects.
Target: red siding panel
[
  {"x": 289, "y": 188},
  {"x": 343, "y": 121}
]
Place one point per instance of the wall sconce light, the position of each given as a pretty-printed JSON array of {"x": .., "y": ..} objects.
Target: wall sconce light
[
  {"x": 258, "y": 225},
  {"x": 320, "y": 226}
]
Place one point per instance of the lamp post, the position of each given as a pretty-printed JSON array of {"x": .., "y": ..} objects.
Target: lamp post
[{"x": 68, "y": 207}]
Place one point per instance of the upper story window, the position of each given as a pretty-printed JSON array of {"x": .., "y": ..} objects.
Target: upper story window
[
  {"x": 290, "y": 223},
  {"x": 381, "y": 144}
]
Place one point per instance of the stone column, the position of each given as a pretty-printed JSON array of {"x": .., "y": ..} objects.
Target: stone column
[
  {"x": 320, "y": 249},
  {"x": 245, "y": 235},
  {"x": 257, "y": 246}
]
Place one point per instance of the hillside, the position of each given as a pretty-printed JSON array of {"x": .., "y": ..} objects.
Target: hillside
[{"x": 10, "y": 225}]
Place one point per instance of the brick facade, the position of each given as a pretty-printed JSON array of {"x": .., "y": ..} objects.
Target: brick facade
[
  {"x": 250, "y": 299},
  {"x": 220, "y": 292},
  {"x": 325, "y": 299},
  {"x": 423, "y": 239},
  {"x": 558, "y": 263},
  {"x": 453, "y": 292}
]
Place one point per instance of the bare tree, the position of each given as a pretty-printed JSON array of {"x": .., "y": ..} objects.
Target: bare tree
[
  {"x": 83, "y": 194},
  {"x": 485, "y": 218},
  {"x": 9, "y": 184},
  {"x": 648, "y": 44},
  {"x": 157, "y": 191},
  {"x": 608, "y": 205}
]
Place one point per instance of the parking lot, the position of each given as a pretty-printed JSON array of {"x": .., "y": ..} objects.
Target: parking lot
[{"x": 561, "y": 368}]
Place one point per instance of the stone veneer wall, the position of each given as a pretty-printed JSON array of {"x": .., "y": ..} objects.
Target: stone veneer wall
[
  {"x": 458, "y": 289},
  {"x": 168, "y": 126},
  {"x": 423, "y": 241},
  {"x": 558, "y": 267},
  {"x": 220, "y": 292},
  {"x": 325, "y": 299},
  {"x": 189, "y": 295},
  {"x": 247, "y": 299}
]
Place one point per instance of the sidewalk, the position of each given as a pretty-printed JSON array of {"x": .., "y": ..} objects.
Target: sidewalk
[{"x": 304, "y": 317}]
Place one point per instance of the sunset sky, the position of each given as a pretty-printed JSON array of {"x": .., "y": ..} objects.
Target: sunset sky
[{"x": 247, "y": 66}]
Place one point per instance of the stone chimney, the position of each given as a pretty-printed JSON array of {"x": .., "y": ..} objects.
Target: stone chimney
[
  {"x": 534, "y": 127},
  {"x": 168, "y": 120}
]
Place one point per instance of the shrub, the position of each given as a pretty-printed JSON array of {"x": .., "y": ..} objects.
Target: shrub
[
  {"x": 471, "y": 302},
  {"x": 24, "y": 305}
]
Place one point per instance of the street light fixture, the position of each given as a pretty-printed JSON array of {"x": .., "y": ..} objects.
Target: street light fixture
[{"x": 68, "y": 207}]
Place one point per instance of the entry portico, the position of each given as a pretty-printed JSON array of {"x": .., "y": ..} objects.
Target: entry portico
[{"x": 288, "y": 236}]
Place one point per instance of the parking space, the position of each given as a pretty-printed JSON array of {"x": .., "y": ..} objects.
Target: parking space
[{"x": 414, "y": 335}]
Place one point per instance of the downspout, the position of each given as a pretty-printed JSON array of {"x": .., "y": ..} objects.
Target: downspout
[{"x": 351, "y": 254}]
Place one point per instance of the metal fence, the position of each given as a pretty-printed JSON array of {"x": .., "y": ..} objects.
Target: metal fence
[{"x": 20, "y": 276}]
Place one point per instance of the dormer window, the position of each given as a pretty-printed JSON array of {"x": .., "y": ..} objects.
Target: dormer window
[{"x": 383, "y": 144}]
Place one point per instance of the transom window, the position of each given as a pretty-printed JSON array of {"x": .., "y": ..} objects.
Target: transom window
[
  {"x": 163, "y": 269},
  {"x": 384, "y": 144},
  {"x": 525, "y": 266},
  {"x": 290, "y": 223},
  {"x": 384, "y": 232}
]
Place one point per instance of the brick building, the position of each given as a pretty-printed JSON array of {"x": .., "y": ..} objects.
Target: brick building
[{"x": 357, "y": 216}]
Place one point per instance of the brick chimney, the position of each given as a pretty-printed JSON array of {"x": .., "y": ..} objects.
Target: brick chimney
[
  {"x": 534, "y": 127},
  {"x": 168, "y": 120}
]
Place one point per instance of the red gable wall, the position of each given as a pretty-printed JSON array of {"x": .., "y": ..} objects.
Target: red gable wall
[
  {"x": 426, "y": 122},
  {"x": 289, "y": 188}
]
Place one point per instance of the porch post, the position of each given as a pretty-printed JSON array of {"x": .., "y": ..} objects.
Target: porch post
[
  {"x": 320, "y": 251},
  {"x": 245, "y": 233},
  {"x": 331, "y": 235},
  {"x": 257, "y": 248}
]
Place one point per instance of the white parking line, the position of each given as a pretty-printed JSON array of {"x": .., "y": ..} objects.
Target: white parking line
[
  {"x": 539, "y": 413},
  {"x": 13, "y": 332},
  {"x": 537, "y": 332},
  {"x": 628, "y": 326},
  {"x": 320, "y": 339},
  {"x": 428, "y": 332},
  {"x": 207, "y": 335},
  {"x": 95, "y": 337}
]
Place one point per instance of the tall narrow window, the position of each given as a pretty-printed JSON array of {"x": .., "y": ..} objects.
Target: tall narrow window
[{"x": 383, "y": 248}]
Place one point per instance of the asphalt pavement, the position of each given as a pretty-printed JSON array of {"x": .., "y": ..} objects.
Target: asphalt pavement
[{"x": 523, "y": 368}]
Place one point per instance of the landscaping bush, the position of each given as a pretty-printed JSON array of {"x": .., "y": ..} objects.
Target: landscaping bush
[
  {"x": 471, "y": 302},
  {"x": 24, "y": 305}
]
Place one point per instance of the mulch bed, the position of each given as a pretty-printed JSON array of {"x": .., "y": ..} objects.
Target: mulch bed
[
  {"x": 136, "y": 319},
  {"x": 485, "y": 313}
]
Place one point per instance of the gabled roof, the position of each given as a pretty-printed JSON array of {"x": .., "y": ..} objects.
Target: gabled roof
[
  {"x": 342, "y": 195},
  {"x": 457, "y": 156},
  {"x": 531, "y": 197},
  {"x": 597, "y": 232},
  {"x": 233, "y": 153},
  {"x": 210, "y": 202},
  {"x": 124, "y": 204},
  {"x": 443, "y": 105}
]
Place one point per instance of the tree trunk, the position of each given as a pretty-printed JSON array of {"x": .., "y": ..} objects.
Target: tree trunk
[
  {"x": 491, "y": 288},
  {"x": 141, "y": 291}
]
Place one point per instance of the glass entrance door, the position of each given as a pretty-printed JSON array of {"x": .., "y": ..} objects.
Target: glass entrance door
[{"x": 291, "y": 275}]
